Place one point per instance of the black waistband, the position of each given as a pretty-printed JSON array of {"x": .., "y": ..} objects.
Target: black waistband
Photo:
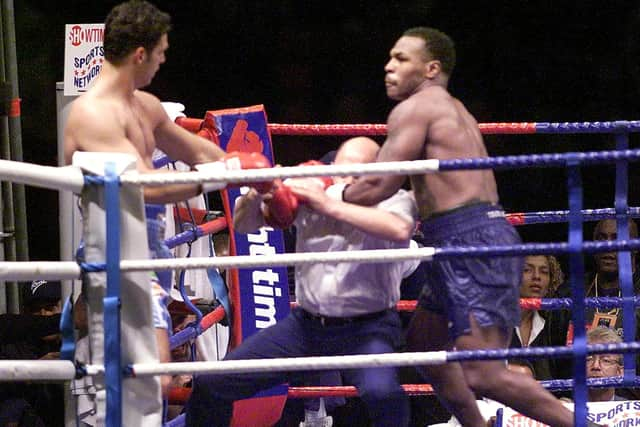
[{"x": 341, "y": 321}]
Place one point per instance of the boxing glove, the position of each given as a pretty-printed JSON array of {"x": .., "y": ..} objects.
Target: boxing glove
[
  {"x": 281, "y": 209},
  {"x": 322, "y": 182},
  {"x": 235, "y": 161},
  {"x": 173, "y": 110}
]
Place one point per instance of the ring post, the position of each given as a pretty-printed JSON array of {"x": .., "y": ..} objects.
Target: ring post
[
  {"x": 113, "y": 362},
  {"x": 140, "y": 402}
]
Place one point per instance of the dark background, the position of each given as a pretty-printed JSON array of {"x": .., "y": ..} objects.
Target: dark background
[{"x": 322, "y": 62}]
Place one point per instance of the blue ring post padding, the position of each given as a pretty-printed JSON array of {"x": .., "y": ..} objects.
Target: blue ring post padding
[
  {"x": 112, "y": 361},
  {"x": 624, "y": 258},
  {"x": 576, "y": 277},
  {"x": 68, "y": 345}
]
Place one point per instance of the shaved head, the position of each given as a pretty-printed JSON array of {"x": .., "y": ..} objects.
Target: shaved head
[{"x": 357, "y": 150}]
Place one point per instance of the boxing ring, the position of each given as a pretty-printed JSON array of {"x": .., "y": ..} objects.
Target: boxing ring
[{"x": 112, "y": 189}]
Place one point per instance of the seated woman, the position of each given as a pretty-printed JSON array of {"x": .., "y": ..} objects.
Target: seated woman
[{"x": 540, "y": 278}]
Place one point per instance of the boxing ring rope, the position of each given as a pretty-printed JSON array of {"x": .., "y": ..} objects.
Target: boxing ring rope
[
  {"x": 391, "y": 168},
  {"x": 573, "y": 159},
  {"x": 65, "y": 178},
  {"x": 195, "y": 125},
  {"x": 368, "y": 360},
  {"x": 545, "y": 217},
  {"x": 23, "y": 270},
  {"x": 485, "y": 128},
  {"x": 74, "y": 181},
  {"x": 618, "y": 210},
  {"x": 543, "y": 303}
]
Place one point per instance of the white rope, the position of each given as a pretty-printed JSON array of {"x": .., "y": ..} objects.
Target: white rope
[
  {"x": 39, "y": 270},
  {"x": 60, "y": 370},
  {"x": 24, "y": 370},
  {"x": 68, "y": 270},
  {"x": 268, "y": 174},
  {"x": 292, "y": 364},
  {"x": 247, "y": 261},
  {"x": 55, "y": 178}
]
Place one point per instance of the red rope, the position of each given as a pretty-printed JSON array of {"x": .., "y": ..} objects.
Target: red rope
[
  {"x": 410, "y": 305},
  {"x": 350, "y": 391},
  {"x": 194, "y": 125},
  {"x": 179, "y": 395},
  {"x": 378, "y": 129}
]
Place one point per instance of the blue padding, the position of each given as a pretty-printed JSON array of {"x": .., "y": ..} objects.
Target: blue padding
[
  {"x": 113, "y": 364},
  {"x": 219, "y": 287},
  {"x": 68, "y": 346}
]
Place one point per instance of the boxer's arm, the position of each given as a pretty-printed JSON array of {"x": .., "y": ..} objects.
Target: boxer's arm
[
  {"x": 247, "y": 215},
  {"x": 372, "y": 220},
  {"x": 406, "y": 135},
  {"x": 177, "y": 142},
  {"x": 95, "y": 127}
]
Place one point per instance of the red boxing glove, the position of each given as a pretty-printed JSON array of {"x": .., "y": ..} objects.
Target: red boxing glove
[
  {"x": 321, "y": 181},
  {"x": 234, "y": 161},
  {"x": 280, "y": 211},
  {"x": 253, "y": 160}
]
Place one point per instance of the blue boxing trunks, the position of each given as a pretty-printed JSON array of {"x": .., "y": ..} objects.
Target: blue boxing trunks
[
  {"x": 160, "y": 280},
  {"x": 487, "y": 287}
]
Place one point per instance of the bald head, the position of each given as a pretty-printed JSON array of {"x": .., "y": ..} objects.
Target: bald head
[{"x": 357, "y": 150}]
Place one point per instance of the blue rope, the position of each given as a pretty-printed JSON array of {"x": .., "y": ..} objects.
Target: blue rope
[
  {"x": 542, "y": 160},
  {"x": 587, "y": 127},
  {"x": 624, "y": 258},
  {"x": 92, "y": 267},
  {"x": 600, "y": 302},
  {"x": 587, "y": 215},
  {"x": 68, "y": 345},
  {"x": 540, "y": 352},
  {"x": 576, "y": 280}
]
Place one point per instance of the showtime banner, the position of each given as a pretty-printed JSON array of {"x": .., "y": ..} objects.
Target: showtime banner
[{"x": 83, "y": 56}]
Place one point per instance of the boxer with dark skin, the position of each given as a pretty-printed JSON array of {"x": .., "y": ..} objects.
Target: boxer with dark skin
[{"x": 467, "y": 304}]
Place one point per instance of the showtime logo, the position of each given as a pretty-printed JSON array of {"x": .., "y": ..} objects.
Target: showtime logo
[{"x": 79, "y": 35}]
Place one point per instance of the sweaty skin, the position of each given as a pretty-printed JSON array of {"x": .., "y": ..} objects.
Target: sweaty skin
[
  {"x": 116, "y": 116},
  {"x": 428, "y": 123}
]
